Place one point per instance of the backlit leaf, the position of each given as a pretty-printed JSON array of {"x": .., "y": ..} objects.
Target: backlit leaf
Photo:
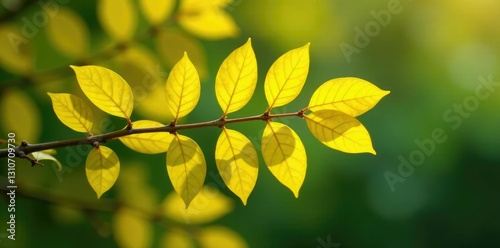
[
  {"x": 209, "y": 205},
  {"x": 149, "y": 143},
  {"x": 237, "y": 163},
  {"x": 68, "y": 33},
  {"x": 183, "y": 88},
  {"x": 339, "y": 131},
  {"x": 353, "y": 96},
  {"x": 157, "y": 11},
  {"x": 102, "y": 168},
  {"x": 72, "y": 111},
  {"x": 118, "y": 18},
  {"x": 284, "y": 155},
  {"x": 207, "y": 19},
  {"x": 236, "y": 79},
  {"x": 45, "y": 156},
  {"x": 172, "y": 43},
  {"x": 186, "y": 167},
  {"x": 17, "y": 50},
  {"x": 287, "y": 76},
  {"x": 219, "y": 236},
  {"x": 131, "y": 229},
  {"x": 106, "y": 89},
  {"x": 20, "y": 115},
  {"x": 177, "y": 238}
]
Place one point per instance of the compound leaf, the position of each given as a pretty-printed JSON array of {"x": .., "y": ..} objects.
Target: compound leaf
[
  {"x": 131, "y": 229},
  {"x": 118, "y": 18},
  {"x": 149, "y": 143},
  {"x": 353, "y": 96},
  {"x": 157, "y": 11},
  {"x": 183, "y": 88},
  {"x": 209, "y": 205},
  {"x": 207, "y": 19},
  {"x": 102, "y": 168},
  {"x": 106, "y": 89},
  {"x": 286, "y": 77},
  {"x": 68, "y": 22},
  {"x": 236, "y": 79},
  {"x": 284, "y": 155},
  {"x": 339, "y": 131},
  {"x": 237, "y": 163},
  {"x": 72, "y": 111},
  {"x": 186, "y": 167}
]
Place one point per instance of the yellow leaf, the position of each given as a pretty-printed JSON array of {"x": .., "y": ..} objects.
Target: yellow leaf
[
  {"x": 219, "y": 236},
  {"x": 186, "y": 167},
  {"x": 237, "y": 162},
  {"x": 139, "y": 66},
  {"x": 157, "y": 11},
  {"x": 353, "y": 96},
  {"x": 207, "y": 19},
  {"x": 172, "y": 44},
  {"x": 183, "y": 88},
  {"x": 68, "y": 33},
  {"x": 131, "y": 229},
  {"x": 339, "y": 131},
  {"x": 236, "y": 79},
  {"x": 149, "y": 143},
  {"x": 284, "y": 155},
  {"x": 45, "y": 156},
  {"x": 177, "y": 238},
  {"x": 17, "y": 50},
  {"x": 209, "y": 205},
  {"x": 20, "y": 115},
  {"x": 286, "y": 77},
  {"x": 118, "y": 18},
  {"x": 102, "y": 168},
  {"x": 106, "y": 89},
  {"x": 72, "y": 111}
]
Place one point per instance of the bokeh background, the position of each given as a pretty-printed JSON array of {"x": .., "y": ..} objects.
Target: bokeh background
[{"x": 432, "y": 55}]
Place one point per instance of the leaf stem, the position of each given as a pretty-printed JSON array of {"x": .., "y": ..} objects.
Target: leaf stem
[{"x": 25, "y": 148}]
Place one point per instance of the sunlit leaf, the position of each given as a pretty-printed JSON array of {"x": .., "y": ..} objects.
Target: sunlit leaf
[
  {"x": 157, "y": 11},
  {"x": 106, "y": 89},
  {"x": 183, "y": 88},
  {"x": 219, "y": 236},
  {"x": 149, "y": 143},
  {"x": 209, "y": 205},
  {"x": 353, "y": 96},
  {"x": 131, "y": 229},
  {"x": 339, "y": 131},
  {"x": 20, "y": 115},
  {"x": 172, "y": 43},
  {"x": 17, "y": 50},
  {"x": 68, "y": 33},
  {"x": 207, "y": 19},
  {"x": 45, "y": 156},
  {"x": 177, "y": 238},
  {"x": 142, "y": 69},
  {"x": 236, "y": 79},
  {"x": 102, "y": 168},
  {"x": 72, "y": 111},
  {"x": 118, "y": 18},
  {"x": 186, "y": 167},
  {"x": 286, "y": 77},
  {"x": 237, "y": 162},
  {"x": 284, "y": 155}
]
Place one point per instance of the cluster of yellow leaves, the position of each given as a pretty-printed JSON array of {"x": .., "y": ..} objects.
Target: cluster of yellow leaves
[{"x": 333, "y": 108}]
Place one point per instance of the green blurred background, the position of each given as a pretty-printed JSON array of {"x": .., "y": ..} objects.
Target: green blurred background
[{"x": 431, "y": 55}]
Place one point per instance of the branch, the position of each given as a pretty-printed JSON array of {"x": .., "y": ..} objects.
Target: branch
[{"x": 25, "y": 148}]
